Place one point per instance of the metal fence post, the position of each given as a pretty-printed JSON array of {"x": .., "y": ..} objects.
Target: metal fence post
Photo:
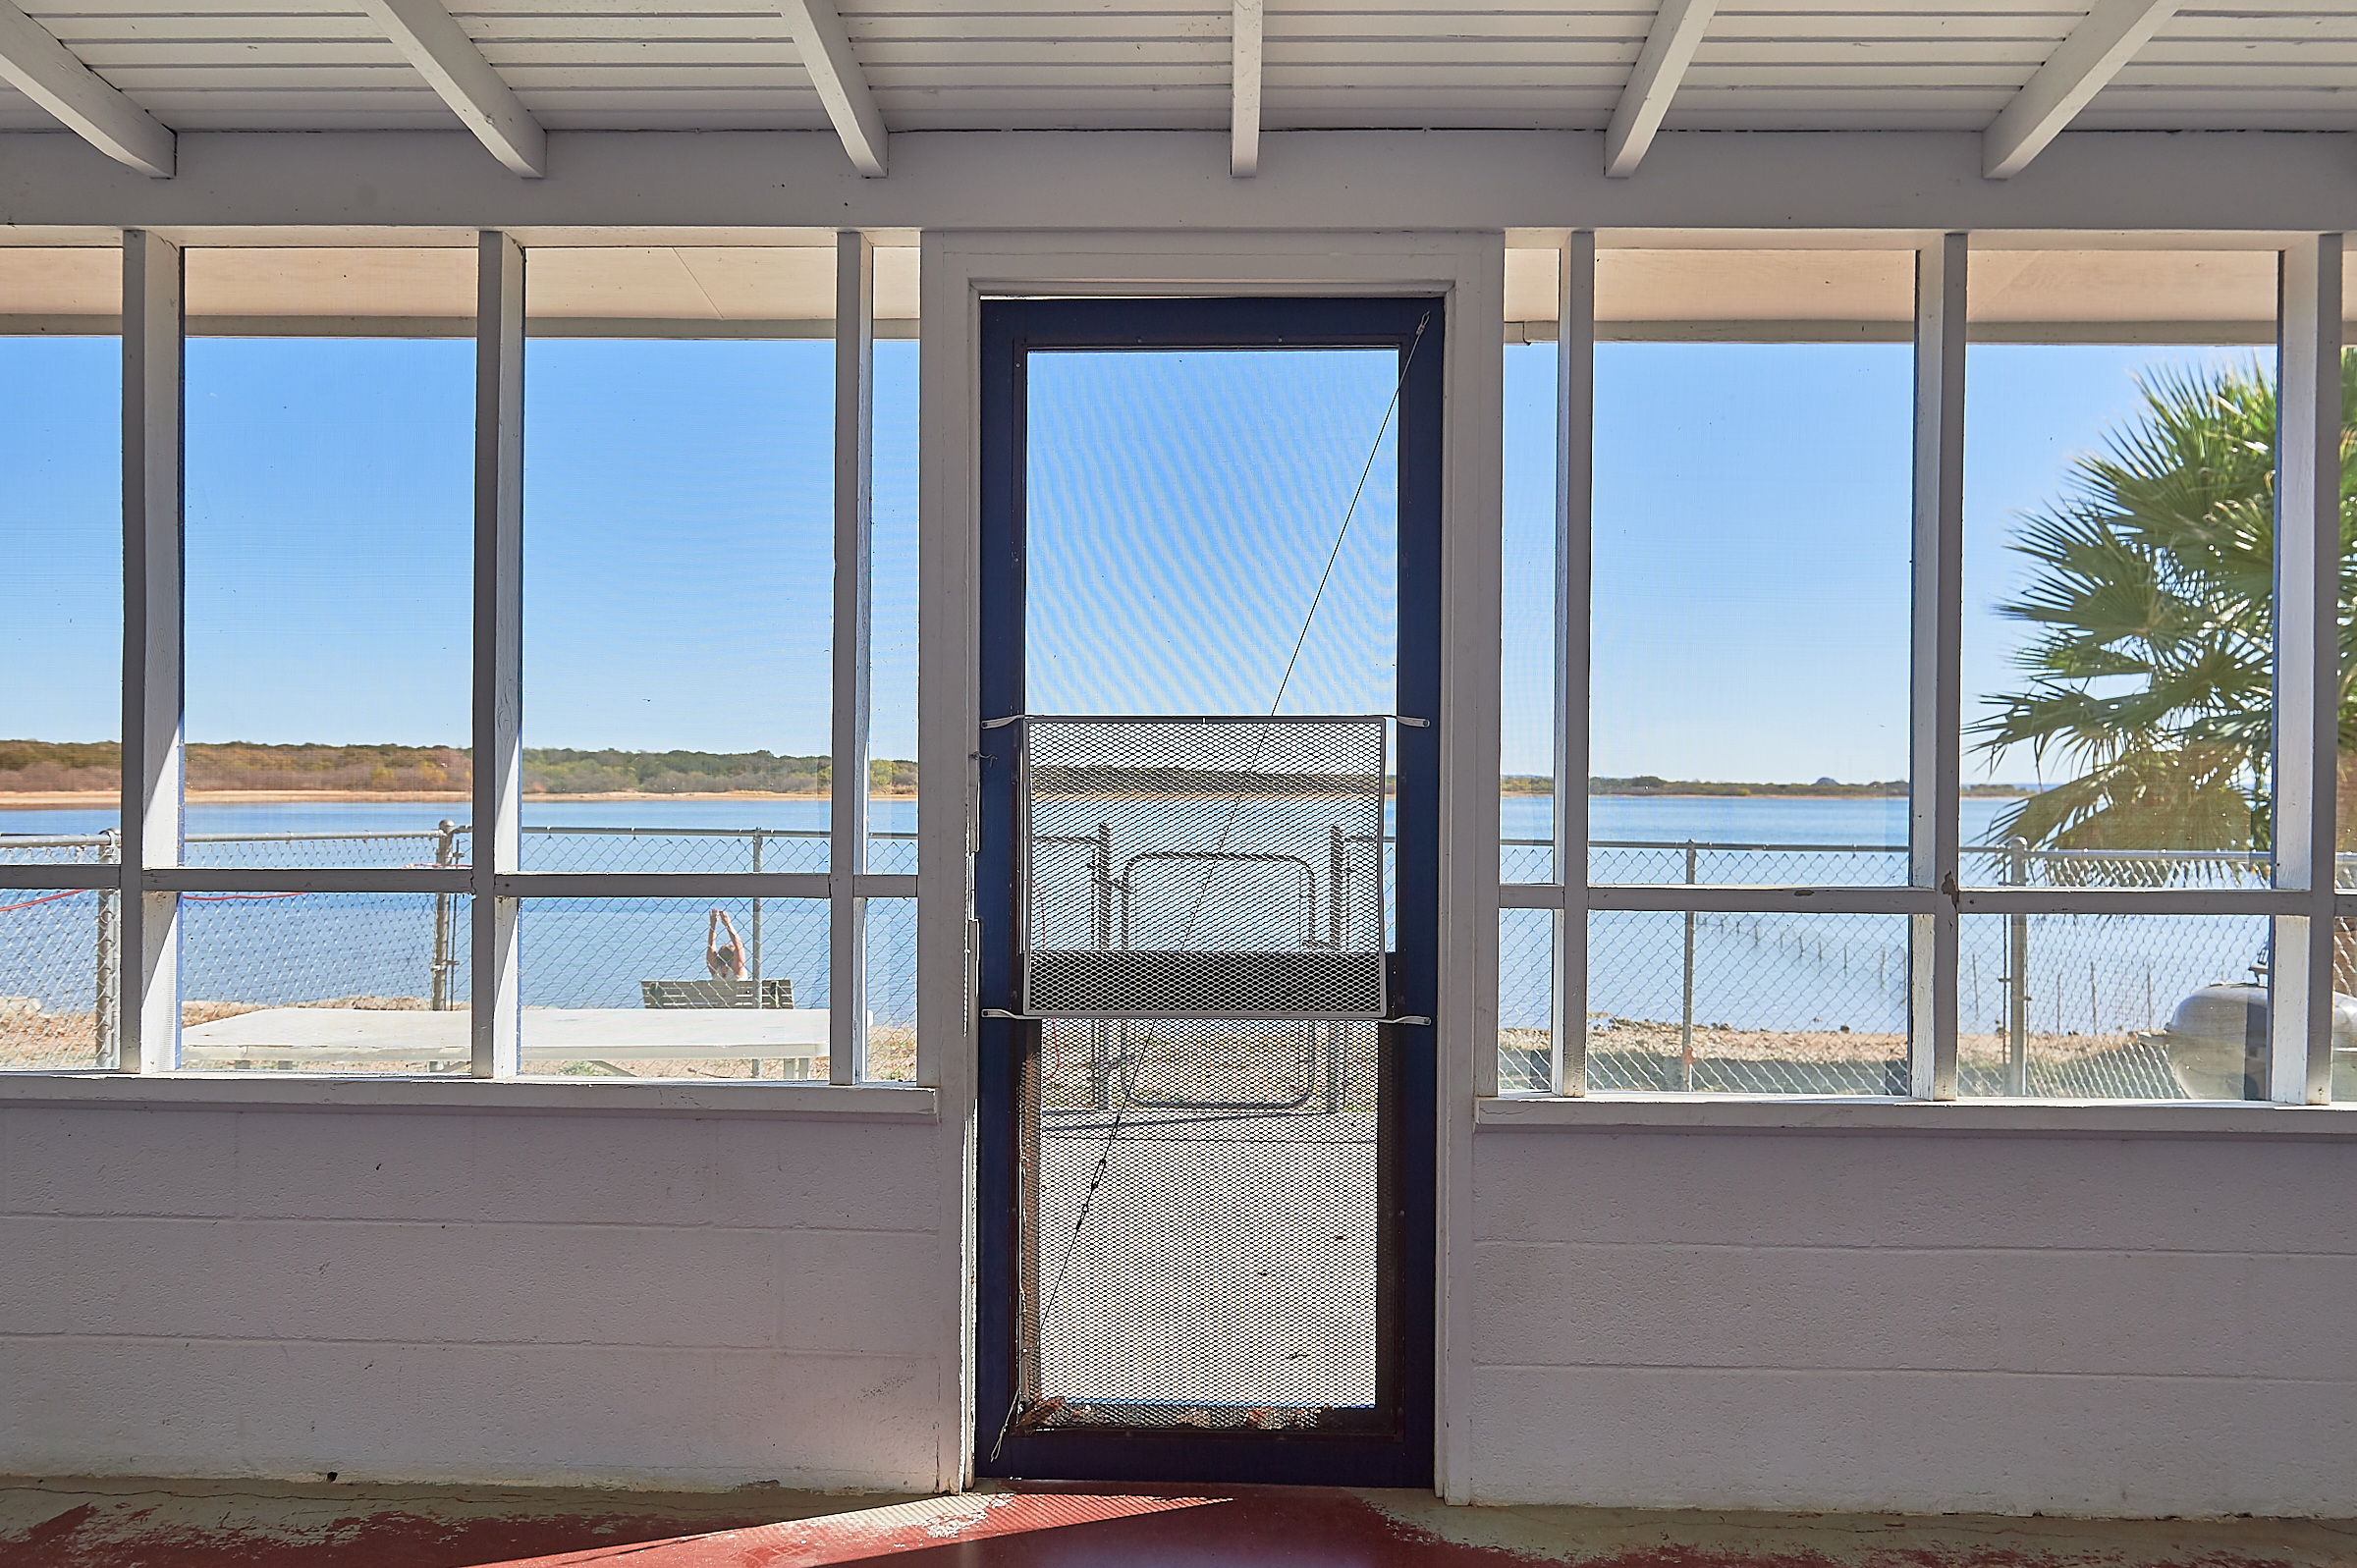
[
  {"x": 1338, "y": 878},
  {"x": 1338, "y": 933},
  {"x": 445, "y": 903},
  {"x": 2018, "y": 1046},
  {"x": 1100, "y": 875},
  {"x": 756, "y": 943},
  {"x": 1685, "y": 1026},
  {"x": 106, "y": 999},
  {"x": 1099, "y": 872}
]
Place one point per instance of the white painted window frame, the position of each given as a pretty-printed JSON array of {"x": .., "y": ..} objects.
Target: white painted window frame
[
  {"x": 151, "y": 875},
  {"x": 2302, "y": 902}
]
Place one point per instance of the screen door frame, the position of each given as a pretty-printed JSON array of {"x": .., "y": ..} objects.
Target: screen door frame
[{"x": 1008, "y": 329}]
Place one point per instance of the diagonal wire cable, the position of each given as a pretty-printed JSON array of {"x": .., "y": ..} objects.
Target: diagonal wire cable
[{"x": 1235, "y": 803}]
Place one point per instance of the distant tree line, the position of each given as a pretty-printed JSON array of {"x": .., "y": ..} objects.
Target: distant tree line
[
  {"x": 1646, "y": 783},
  {"x": 27, "y": 766}
]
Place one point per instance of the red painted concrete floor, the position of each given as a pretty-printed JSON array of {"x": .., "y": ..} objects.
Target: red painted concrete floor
[{"x": 133, "y": 1524}]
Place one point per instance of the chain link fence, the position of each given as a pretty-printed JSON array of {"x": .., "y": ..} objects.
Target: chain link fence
[
  {"x": 1748, "y": 1003},
  {"x": 446, "y": 845},
  {"x": 1649, "y": 863},
  {"x": 57, "y": 1000},
  {"x": 2047, "y": 1004},
  {"x": 892, "y": 988},
  {"x": 673, "y": 850},
  {"x": 58, "y": 951},
  {"x": 243, "y": 953},
  {"x": 1751, "y": 1002}
]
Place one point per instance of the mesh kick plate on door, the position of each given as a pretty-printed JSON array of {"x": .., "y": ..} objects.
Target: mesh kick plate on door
[
  {"x": 1203, "y": 1227},
  {"x": 1204, "y": 867}
]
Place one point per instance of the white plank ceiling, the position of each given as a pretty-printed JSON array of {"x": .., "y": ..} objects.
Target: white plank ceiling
[{"x": 1098, "y": 64}]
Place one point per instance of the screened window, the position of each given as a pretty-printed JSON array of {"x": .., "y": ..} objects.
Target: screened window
[
  {"x": 60, "y": 736},
  {"x": 2111, "y": 862},
  {"x": 619, "y": 559}
]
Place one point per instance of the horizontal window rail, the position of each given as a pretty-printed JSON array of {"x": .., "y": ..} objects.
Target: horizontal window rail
[{"x": 1640, "y": 862}]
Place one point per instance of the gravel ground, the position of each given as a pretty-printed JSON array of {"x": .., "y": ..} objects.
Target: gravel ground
[{"x": 1653, "y": 1038}]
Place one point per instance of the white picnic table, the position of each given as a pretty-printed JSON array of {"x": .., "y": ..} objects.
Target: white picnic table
[{"x": 319, "y": 1034}]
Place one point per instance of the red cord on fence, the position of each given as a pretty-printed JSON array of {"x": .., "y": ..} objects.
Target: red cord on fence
[{"x": 47, "y": 898}]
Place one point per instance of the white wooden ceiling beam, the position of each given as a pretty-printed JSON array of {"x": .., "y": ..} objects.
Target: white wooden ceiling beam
[
  {"x": 1243, "y": 122},
  {"x": 46, "y": 72},
  {"x": 423, "y": 31},
  {"x": 1677, "y": 28},
  {"x": 2081, "y": 67},
  {"x": 826, "y": 50}
]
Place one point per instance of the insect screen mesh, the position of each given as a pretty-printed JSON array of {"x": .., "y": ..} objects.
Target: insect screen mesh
[{"x": 1203, "y": 1225}]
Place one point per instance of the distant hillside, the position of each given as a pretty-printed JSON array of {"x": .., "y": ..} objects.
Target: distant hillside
[
  {"x": 672, "y": 772},
  {"x": 27, "y": 766},
  {"x": 1533, "y": 784}
]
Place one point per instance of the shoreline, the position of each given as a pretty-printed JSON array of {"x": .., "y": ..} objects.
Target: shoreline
[
  {"x": 92, "y": 799},
  {"x": 89, "y": 799},
  {"x": 1715, "y": 794}
]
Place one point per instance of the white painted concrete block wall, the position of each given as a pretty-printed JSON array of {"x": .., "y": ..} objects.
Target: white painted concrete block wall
[
  {"x": 2075, "y": 1324},
  {"x": 2081, "y": 1323},
  {"x": 639, "y": 1300}
]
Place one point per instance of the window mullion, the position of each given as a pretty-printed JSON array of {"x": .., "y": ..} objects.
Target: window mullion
[
  {"x": 154, "y": 381},
  {"x": 854, "y": 425},
  {"x": 497, "y": 646},
  {"x": 1937, "y": 761},
  {"x": 2306, "y": 761},
  {"x": 1574, "y": 508}
]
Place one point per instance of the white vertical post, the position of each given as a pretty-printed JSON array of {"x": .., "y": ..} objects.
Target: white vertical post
[
  {"x": 2307, "y": 692},
  {"x": 854, "y": 426},
  {"x": 498, "y": 644},
  {"x": 1575, "y": 511},
  {"x": 153, "y": 376},
  {"x": 1936, "y": 765},
  {"x": 949, "y": 709},
  {"x": 1472, "y": 655}
]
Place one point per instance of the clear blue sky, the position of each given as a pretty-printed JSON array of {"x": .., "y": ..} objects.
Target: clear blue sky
[{"x": 1750, "y": 546}]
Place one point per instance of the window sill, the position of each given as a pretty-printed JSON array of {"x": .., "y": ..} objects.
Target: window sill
[
  {"x": 562, "y": 1097},
  {"x": 2069, "y": 1119}
]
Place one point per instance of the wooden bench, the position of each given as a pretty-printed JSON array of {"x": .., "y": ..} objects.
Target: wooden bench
[{"x": 777, "y": 994}]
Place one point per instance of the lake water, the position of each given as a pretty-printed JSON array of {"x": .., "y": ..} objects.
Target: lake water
[{"x": 1769, "y": 971}]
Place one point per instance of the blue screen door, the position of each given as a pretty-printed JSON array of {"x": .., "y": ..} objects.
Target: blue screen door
[{"x": 1206, "y": 885}]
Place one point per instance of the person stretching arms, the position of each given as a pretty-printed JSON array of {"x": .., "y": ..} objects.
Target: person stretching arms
[{"x": 726, "y": 959}]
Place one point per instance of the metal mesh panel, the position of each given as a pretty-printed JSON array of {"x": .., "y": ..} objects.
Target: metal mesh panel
[
  {"x": 59, "y": 952},
  {"x": 1225, "y": 866},
  {"x": 2085, "y": 1012},
  {"x": 1203, "y": 1220},
  {"x": 2015, "y": 864},
  {"x": 658, "y": 847},
  {"x": 1748, "y": 1002},
  {"x": 1651, "y": 862},
  {"x": 339, "y": 981},
  {"x": 446, "y": 845},
  {"x": 103, "y": 848},
  {"x": 1527, "y": 1021},
  {"x": 892, "y": 989}
]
